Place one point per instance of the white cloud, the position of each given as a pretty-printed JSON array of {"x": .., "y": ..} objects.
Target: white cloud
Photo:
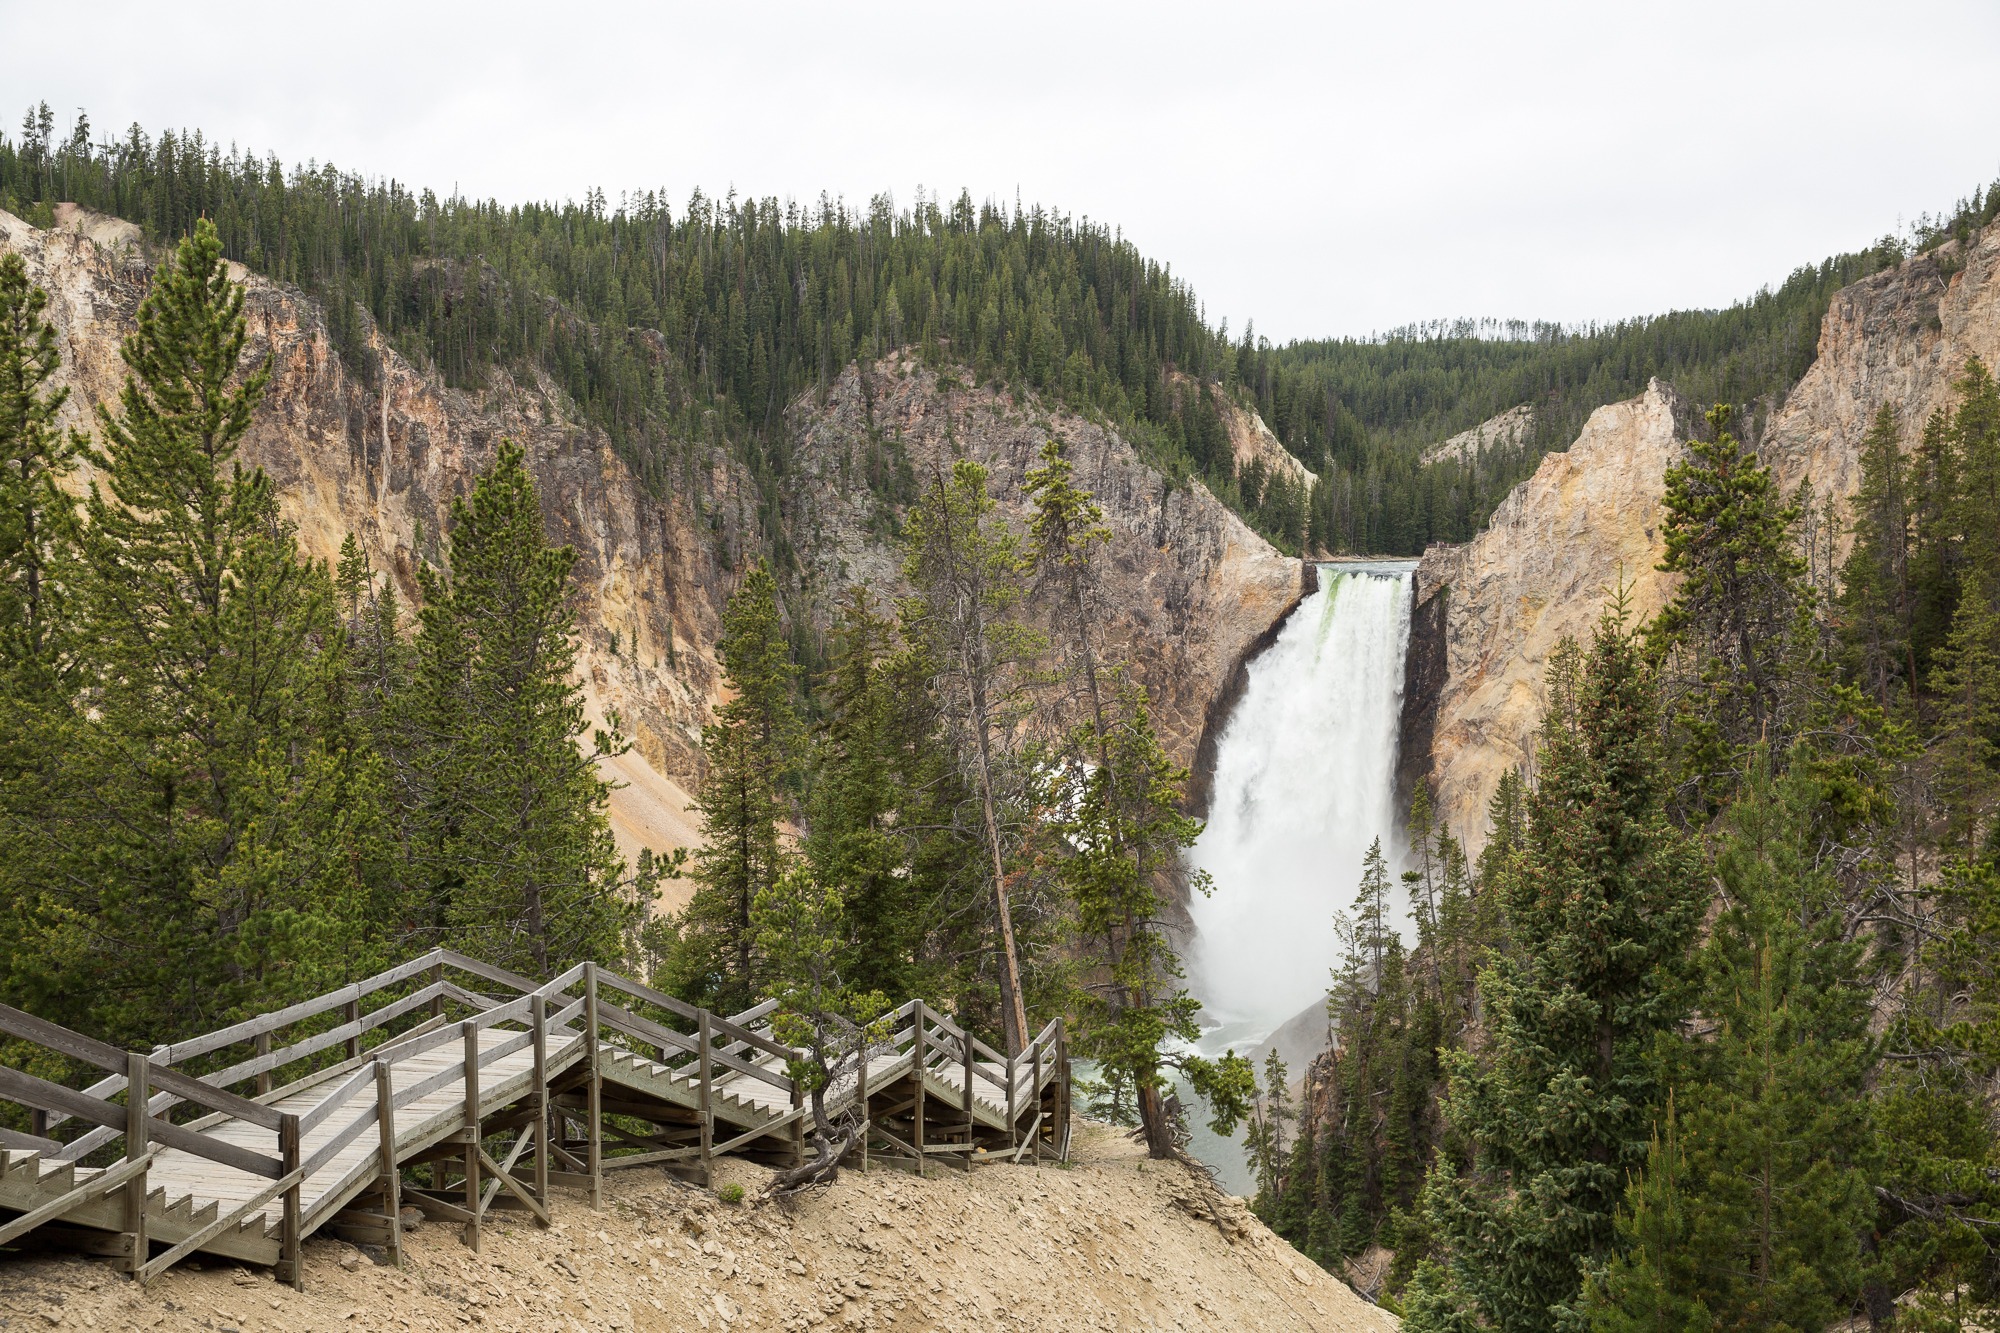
[{"x": 1326, "y": 169}]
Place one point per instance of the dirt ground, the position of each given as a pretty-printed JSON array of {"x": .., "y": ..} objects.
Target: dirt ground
[{"x": 1111, "y": 1242}]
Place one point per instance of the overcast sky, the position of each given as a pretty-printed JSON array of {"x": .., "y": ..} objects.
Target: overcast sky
[{"x": 1324, "y": 169}]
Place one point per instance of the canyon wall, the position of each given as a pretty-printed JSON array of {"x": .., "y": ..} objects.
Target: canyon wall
[
  {"x": 385, "y": 460},
  {"x": 1544, "y": 569},
  {"x": 1189, "y": 587},
  {"x": 1491, "y": 610}
]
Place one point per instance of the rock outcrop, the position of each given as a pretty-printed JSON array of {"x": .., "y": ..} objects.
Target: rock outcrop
[
  {"x": 1545, "y": 568},
  {"x": 1496, "y": 607},
  {"x": 1506, "y": 430},
  {"x": 1900, "y": 337},
  {"x": 1189, "y": 588}
]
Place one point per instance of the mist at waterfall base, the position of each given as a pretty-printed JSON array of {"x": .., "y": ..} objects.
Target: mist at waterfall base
[{"x": 1304, "y": 782}]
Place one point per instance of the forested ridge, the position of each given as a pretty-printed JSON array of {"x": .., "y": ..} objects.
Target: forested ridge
[{"x": 682, "y": 329}]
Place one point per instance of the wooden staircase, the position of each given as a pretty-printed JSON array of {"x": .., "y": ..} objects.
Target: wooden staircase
[{"x": 462, "y": 1088}]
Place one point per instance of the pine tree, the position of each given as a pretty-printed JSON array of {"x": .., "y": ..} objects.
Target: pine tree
[
  {"x": 37, "y": 662},
  {"x": 807, "y": 942},
  {"x": 965, "y": 568},
  {"x": 1067, "y": 528},
  {"x": 751, "y": 750},
  {"x": 1733, "y": 634},
  {"x": 35, "y": 513},
  {"x": 522, "y": 863},
  {"x": 1936, "y": 564},
  {"x": 1975, "y": 499},
  {"x": 217, "y": 857},
  {"x": 1875, "y": 581},
  {"x": 1601, "y": 901},
  {"x": 1125, "y": 835},
  {"x": 1967, "y": 681},
  {"x": 853, "y": 833},
  {"x": 1769, "y": 1183},
  {"x": 1655, "y": 1283}
]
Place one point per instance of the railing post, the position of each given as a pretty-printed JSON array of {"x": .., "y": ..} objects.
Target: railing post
[
  {"x": 392, "y": 1175},
  {"x": 437, "y": 996},
  {"x": 971, "y": 1119},
  {"x": 705, "y": 1107},
  {"x": 917, "y": 1068},
  {"x": 469, "y": 1036},
  {"x": 595, "y": 1092},
  {"x": 353, "y": 1015},
  {"x": 289, "y": 1267},
  {"x": 798, "y": 1135},
  {"x": 538, "y": 1017},
  {"x": 1036, "y": 1133},
  {"x": 1013, "y": 1124},
  {"x": 261, "y": 1045},
  {"x": 138, "y": 1093},
  {"x": 861, "y": 1098},
  {"x": 1062, "y": 1092}
]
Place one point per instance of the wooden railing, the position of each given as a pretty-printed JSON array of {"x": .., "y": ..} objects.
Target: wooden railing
[{"x": 354, "y": 1038}]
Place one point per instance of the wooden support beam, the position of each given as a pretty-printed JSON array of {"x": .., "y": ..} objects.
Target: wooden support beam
[
  {"x": 971, "y": 1120},
  {"x": 538, "y": 1022},
  {"x": 469, "y": 1035},
  {"x": 1034, "y": 1136},
  {"x": 386, "y": 1168},
  {"x": 138, "y": 1094},
  {"x": 592, "y": 1052},
  {"x": 706, "y": 1105},
  {"x": 917, "y": 1068},
  {"x": 260, "y": 1045},
  {"x": 290, "y": 1269}
]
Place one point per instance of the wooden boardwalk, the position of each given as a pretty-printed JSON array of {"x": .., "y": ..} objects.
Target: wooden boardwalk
[{"x": 458, "y": 1088}]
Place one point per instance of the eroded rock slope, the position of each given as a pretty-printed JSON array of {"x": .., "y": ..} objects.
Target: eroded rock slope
[{"x": 1545, "y": 566}]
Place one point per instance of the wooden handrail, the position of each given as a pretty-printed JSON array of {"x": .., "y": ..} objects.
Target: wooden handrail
[{"x": 319, "y": 1004}]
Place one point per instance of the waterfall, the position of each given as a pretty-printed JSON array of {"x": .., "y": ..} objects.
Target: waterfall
[{"x": 1304, "y": 781}]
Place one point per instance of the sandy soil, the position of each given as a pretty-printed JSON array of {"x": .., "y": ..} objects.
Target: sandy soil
[{"x": 1113, "y": 1242}]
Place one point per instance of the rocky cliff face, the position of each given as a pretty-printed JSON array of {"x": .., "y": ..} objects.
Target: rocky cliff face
[
  {"x": 385, "y": 460},
  {"x": 1494, "y": 608},
  {"x": 1900, "y": 337},
  {"x": 1544, "y": 569},
  {"x": 1189, "y": 588}
]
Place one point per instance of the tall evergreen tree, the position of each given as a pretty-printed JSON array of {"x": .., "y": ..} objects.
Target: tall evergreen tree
[
  {"x": 1875, "y": 581},
  {"x": 35, "y": 513},
  {"x": 1731, "y": 636},
  {"x": 1752, "y": 1210},
  {"x": 751, "y": 751},
  {"x": 1601, "y": 900},
  {"x": 37, "y": 559},
  {"x": 519, "y": 847},
  {"x": 1064, "y": 536},
  {"x": 964, "y": 565},
  {"x": 1125, "y": 835},
  {"x": 853, "y": 835},
  {"x": 216, "y": 855}
]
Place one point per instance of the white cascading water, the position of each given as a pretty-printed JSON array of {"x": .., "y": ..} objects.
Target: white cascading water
[{"x": 1304, "y": 782}]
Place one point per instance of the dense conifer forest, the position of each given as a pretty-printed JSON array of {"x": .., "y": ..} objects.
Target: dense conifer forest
[{"x": 685, "y": 327}]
